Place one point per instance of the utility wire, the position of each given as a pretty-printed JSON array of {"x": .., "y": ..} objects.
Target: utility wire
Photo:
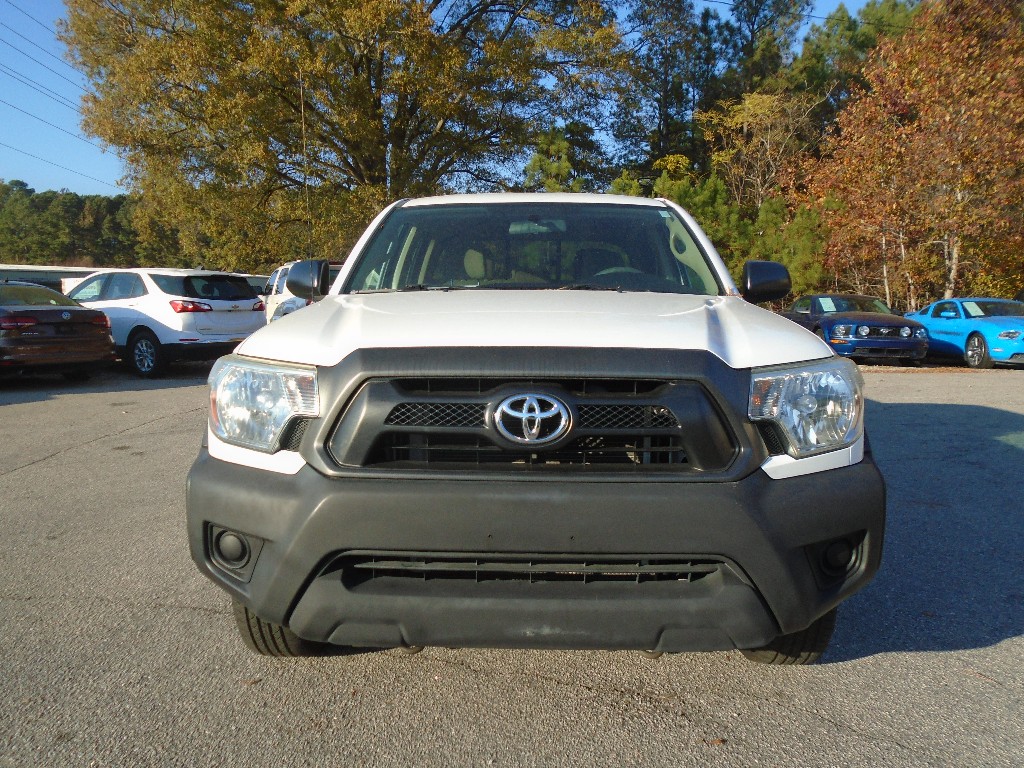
[
  {"x": 56, "y": 165},
  {"x": 52, "y": 125},
  {"x": 44, "y": 66},
  {"x": 22, "y": 11},
  {"x": 31, "y": 42},
  {"x": 38, "y": 87}
]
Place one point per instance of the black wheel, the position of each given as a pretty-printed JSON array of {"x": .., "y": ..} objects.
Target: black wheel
[
  {"x": 269, "y": 639},
  {"x": 976, "y": 353},
  {"x": 144, "y": 355},
  {"x": 803, "y": 647}
]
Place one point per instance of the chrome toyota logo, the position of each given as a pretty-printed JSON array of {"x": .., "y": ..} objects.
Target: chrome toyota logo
[{"x": 531, "y": 419}]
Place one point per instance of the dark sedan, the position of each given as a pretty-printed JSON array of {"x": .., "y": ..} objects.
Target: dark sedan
[
  {"x": 43, "y": 331},
  {"x": 861, "y": 327}
]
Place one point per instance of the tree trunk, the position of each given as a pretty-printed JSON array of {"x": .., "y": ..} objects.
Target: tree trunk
[{"x": 952, "y": 256}]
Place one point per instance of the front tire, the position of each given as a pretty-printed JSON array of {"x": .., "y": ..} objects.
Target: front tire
[
  {"x": 803, "y": 647},
  {"x": 145, "y": 355},
  {"x": 976, "y": 354},
  {"x": 269, "y": 639}
]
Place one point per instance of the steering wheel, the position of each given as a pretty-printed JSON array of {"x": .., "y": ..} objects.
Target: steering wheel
[{"x": 618, "y": 271}]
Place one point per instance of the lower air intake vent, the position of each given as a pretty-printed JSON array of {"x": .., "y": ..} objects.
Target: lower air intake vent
[{"x": 359, "y": 569}]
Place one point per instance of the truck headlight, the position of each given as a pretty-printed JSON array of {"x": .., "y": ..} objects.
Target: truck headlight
[
  {"x": 820, "y": 407},
  {"x": 251, "y": 403}
]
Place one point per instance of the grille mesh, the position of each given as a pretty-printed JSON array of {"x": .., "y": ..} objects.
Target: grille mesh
[{"x": 437, "y": 415}]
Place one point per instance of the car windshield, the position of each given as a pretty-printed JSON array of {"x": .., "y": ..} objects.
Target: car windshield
[
  {"x": 830, "y": 304},
  {"x": 32, "y": 296},
  {"x": 534, "y": 245},
  {"x": 211, "y": 287},
  {"x": 994, "y": 308}
]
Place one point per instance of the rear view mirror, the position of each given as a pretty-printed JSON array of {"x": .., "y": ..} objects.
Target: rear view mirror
[
  {"x": 309, "y": 279},
  {"x": 765, "y": 281}
]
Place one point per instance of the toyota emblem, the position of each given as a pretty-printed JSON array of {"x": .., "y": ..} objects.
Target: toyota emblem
[{"x": 532, "y": 419}]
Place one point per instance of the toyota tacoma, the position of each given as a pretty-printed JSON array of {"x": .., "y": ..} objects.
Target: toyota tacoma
[{"x": 536, "y": 421}]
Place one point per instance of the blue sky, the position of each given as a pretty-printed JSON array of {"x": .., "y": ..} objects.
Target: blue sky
[{"x": 41, "y": 142}]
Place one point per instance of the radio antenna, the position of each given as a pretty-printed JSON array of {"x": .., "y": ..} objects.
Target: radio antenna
[{"x": 305, "y": 169}]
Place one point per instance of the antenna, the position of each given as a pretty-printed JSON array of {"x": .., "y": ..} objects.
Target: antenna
[{"x": 305, "y": 169}]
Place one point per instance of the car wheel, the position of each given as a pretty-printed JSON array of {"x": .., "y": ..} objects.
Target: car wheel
[
  {"x": 976, "y": 353},
  {"x": 803, "y": 647},
  {"x": 144, "y": 354},
  {"x": 269, "y": 639}
]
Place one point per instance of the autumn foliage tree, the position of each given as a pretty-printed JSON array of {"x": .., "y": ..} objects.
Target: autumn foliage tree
[
  {"x": 923, "y": 179},
  {"x": 257, "y": 128}
]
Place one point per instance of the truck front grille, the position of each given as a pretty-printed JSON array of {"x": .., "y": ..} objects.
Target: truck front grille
[{"x": 651, "y": 425}]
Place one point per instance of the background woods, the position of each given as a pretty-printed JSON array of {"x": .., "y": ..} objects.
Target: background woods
[{"x": 879, "y": 152}]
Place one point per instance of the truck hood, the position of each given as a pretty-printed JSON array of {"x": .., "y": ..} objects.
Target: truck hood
[{"x": 741, "y": 334}]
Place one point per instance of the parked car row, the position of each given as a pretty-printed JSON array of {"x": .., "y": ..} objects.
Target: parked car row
[
  {"x": 980, "y": 331},
  {"x": 152, "y": 317}
]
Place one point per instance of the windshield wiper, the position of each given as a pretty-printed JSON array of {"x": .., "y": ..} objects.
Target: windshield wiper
[{"x": 590, "y": 287}]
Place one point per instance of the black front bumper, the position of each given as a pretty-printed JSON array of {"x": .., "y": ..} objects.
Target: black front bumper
[{"x": 767, "y": 537}]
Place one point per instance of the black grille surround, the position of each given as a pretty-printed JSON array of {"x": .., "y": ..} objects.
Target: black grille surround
[
  {"x": 646, "y": 425},
  {"x": 713, "y": 441}
]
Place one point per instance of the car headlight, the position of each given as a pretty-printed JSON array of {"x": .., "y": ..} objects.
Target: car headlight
[
  {"x": 921, "y": 333},
  {"x": 905, "y": 332},
  {"x": 1012, "y": 335},
  {"x": 863, "y": 330},
  {"x": 842, "y": 331},
  {"x": 819, "y": 407},
  {"x": 251, "y": 403}
]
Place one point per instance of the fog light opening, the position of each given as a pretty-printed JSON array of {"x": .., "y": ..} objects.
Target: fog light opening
[
  {"x": 232, "y": 549},
  {"x": 837, "y": 557}
]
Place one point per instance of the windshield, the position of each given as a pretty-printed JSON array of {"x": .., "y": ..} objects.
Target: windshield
[
  {"x": 583, "y": 246},
  {"x": 994, "y": 308},
  {"x": 831, "y": 304}
]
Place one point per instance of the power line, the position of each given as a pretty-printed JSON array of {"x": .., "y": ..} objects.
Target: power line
[
  {"x": 56, "y": 165},
  {"x": 37, "y": 45},
  {"x": 47, "y": 27},
  {"x": 38, "y": 87},
  {"x": 52, "y": 125},
  {"x": 44, "y": 66}
]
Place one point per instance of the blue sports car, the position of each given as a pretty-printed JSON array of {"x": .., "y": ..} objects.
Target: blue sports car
[
  {"x": 860, "y": 327},
  {"x": 981, "y": 331}
]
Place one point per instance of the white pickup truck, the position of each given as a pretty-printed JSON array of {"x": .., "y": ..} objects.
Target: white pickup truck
[{"x": 536, "y": 421}]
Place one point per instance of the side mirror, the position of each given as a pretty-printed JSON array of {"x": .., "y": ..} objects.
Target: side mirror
[
  {"x": 765, "y": 281},
  {"x": 309, "y": 279}
]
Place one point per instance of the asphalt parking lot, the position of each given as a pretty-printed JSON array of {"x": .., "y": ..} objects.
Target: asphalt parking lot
[{"x": 116, "y": 652}]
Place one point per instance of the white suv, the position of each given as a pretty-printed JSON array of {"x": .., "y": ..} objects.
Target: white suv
[{"x": 160, "y": 315}]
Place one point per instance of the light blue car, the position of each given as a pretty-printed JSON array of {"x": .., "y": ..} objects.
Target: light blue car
[{"x": 983, "y": 332}]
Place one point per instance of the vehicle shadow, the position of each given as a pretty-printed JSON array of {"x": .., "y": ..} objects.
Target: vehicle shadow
[
  {"x": 30, "y": 388},
  {"x": 950, "y": 576}
]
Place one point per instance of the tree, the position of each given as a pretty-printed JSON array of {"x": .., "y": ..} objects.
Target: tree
[
  {"x": 754, "y": 140},
  {"x": 567, "y": 159},
  {"x": 254, "y": 116},
  {"x": 927, "y": 167},
  {"x": 833, "y": 56}
]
